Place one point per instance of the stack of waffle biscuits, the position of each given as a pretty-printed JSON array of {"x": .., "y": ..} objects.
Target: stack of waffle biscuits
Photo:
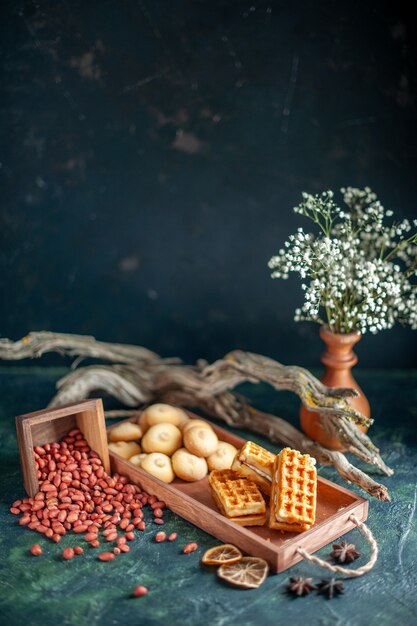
[
  {"x": 288, "y": 479},
  {"x": 237, "y": 498}
]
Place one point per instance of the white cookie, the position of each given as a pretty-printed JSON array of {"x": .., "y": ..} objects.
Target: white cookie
[
  {"x": 125, "y": 449},
  {"x": 159, "y": 465},
  {"x": 164, "y": 438},
  {"x": 194, "y": 422},
  {"x": 143, "y": 423},
  {"x": 137, "y": 459},
  {"x": 187, "y": 466},
  {"x": 126, "y": 431},
  {"x": 164, "y": 414},
  {"x": 223, "y": 457},
  {"x": 201, "y": 441}
]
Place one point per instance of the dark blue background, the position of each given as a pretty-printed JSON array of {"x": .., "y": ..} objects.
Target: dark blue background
[{"x": 152, "y": 152}]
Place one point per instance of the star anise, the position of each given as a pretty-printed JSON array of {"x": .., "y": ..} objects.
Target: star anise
[
  {"x": 331, "y": 587},
  {"x": 300, "y": 586},
  {"x": 344, "y": 552}
]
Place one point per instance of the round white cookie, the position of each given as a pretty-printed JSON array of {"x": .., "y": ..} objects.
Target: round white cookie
[
  {"x": 201, "y": 441},
  {"x": 126, "y": 431},
  {"x": 137, "y": 459},
  {"x": 223, "y": 457},
  {"x": 164, "y": 414},
  {"x": 159, "y": 465},
  {"x": 194, "y": 422},
  {"x": 164, "y": 438},
  {"x": 143, "y": 423},
  {"x": 187, "y": 466},
  {"x": 125, "y": 449}
]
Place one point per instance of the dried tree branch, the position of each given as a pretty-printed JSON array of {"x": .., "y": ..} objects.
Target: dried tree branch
[
  {"x": 138, "y": 376},
  {"x": 236, "y": 412},
  {"x": 37, "y": 343},
  {"x": 231, "y": 408}
]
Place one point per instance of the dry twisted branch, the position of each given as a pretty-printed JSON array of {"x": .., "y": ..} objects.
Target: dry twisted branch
[
  {"x": 139, "y": 376},
  {"x": 37, "y": 343}
]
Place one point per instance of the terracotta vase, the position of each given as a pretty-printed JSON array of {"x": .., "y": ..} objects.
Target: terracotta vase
[{"x": 338, "y": 359}]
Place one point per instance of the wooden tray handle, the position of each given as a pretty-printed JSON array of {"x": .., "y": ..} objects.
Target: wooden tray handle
[{"x": 342, "y": 570}]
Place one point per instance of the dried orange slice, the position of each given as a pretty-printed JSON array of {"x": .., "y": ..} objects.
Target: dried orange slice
[
  {"x": 248, "y": 573},
  {"x": 226, "y": 553}
]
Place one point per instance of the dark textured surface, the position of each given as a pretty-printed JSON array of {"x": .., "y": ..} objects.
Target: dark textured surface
[
  {"x": 152, "y": 152},
  {"x": 45, "y": 590}
]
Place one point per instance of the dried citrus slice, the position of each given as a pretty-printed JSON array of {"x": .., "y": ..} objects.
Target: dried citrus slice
[
  {"x": 248, "y": 573},
  {"x": 226, "y": 553}
]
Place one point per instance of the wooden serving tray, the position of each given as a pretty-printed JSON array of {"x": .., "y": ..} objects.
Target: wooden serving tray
[{"x": 193, "y": 501}]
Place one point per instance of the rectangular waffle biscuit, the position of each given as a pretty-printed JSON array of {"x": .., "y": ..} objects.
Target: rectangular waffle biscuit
[
  {"x": 294, "y": 491},
  {"x": 256, "y": 463},
  {"x": 237, "y": 498}
]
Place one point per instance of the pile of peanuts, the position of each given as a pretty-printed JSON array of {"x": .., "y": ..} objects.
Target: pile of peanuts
[{"x": 75, "y": 493}]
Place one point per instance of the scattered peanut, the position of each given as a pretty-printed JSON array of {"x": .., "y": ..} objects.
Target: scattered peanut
[
  {"x": 158, "y": 504},
  {"x": 124, "y": 548},
  {"x": 78, "y": 550},
  {"x": 190, "y": 547},
  {"x": 68, "y": 554},
  {"x": 140, "y": 591},
  {"x": 106, "y": 556},
  {"x": 36, "y": 550},
  {"x": 172, "y": 537},
  {"x": 161, "y": 536}
]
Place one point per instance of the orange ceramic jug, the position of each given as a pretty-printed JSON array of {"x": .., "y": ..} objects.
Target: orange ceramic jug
[{"x": 338, "y": 359}]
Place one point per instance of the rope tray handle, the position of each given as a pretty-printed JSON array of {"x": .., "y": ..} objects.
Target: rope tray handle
[{"x": 337, "y": 569}]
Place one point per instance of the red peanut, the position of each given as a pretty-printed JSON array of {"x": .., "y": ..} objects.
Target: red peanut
[
  {"x": 78, "y": 550},
  {"x": 190, "y": 547},
  {"x": 161, "y": 536},
  {"x": 106, "y": 556},
  {"x": 172, "y": 537},
  {"x": 68, "y": 554},
  {"x": 80, "y": 529},
  {"x": 90, "y": 536},
  {"x": 140, "y": 591},
  {"x": 36, "y": 550},
  {"x": 159, "y": 504}
]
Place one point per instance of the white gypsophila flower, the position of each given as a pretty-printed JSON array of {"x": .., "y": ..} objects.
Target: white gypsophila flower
[{"x": 359, "y": 269}]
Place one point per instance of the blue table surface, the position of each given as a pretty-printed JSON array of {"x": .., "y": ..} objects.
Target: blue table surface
[{"x": 46, "y": 590}]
